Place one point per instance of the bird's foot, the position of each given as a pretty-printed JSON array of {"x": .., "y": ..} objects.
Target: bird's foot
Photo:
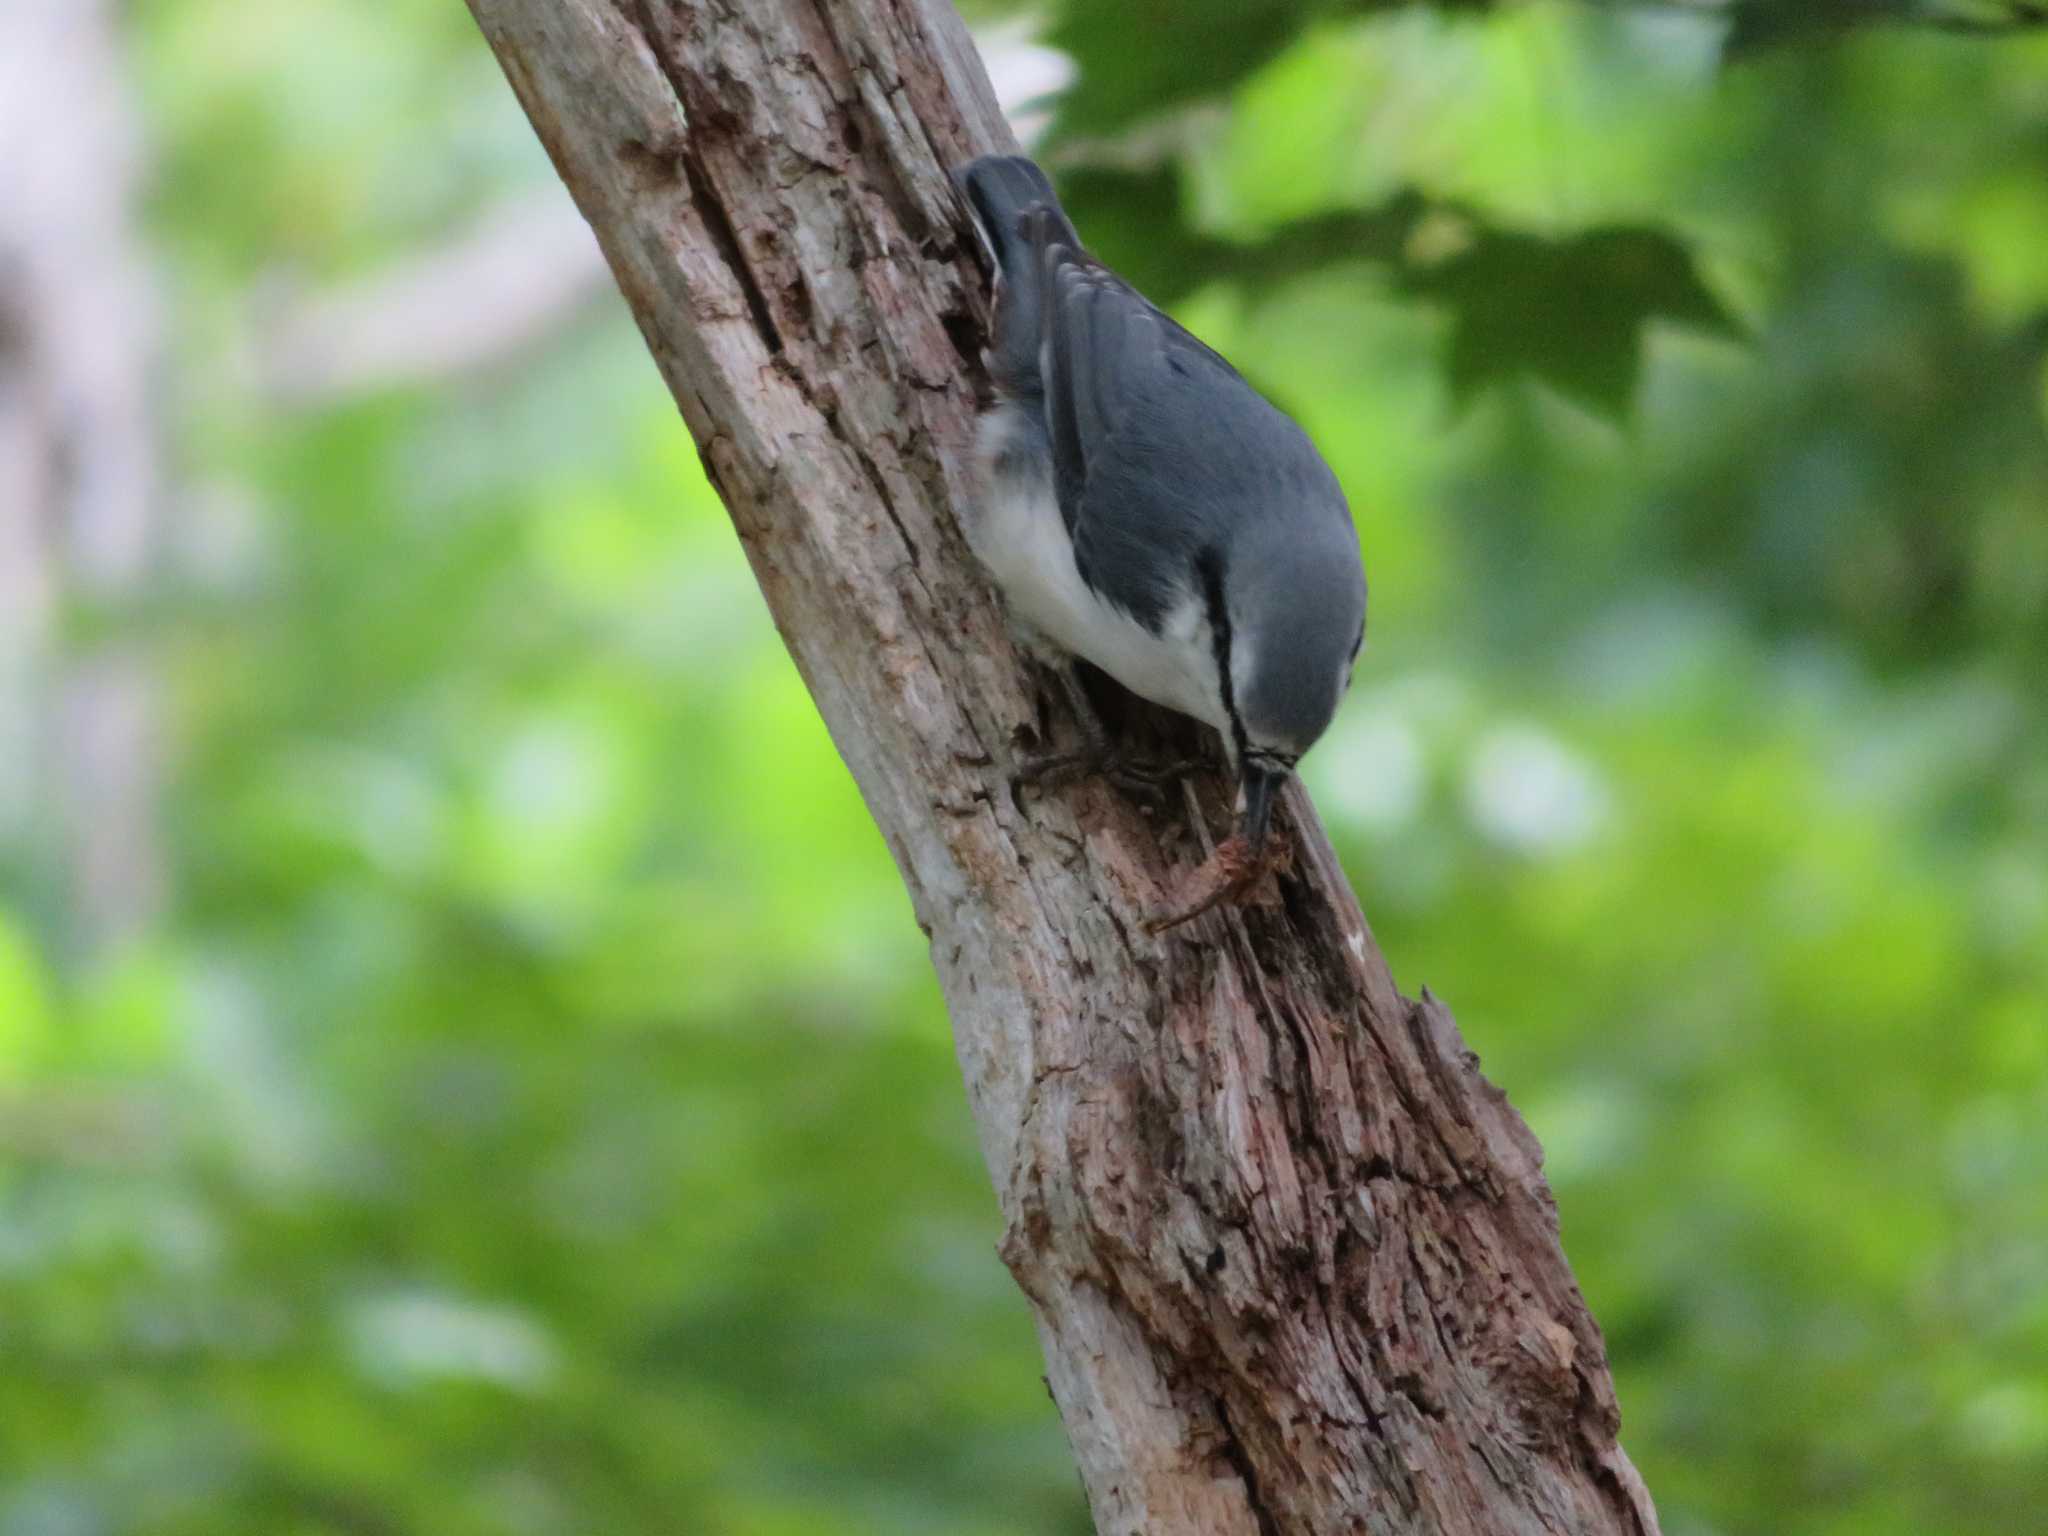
[
  {"x": 1227, "y": 875},
  {"x": 1144, "y": 778}
]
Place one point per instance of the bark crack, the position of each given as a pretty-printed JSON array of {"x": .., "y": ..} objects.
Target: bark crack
[
  {"x": 718, "y": 224},
  {"x": 1241, "y": 1462}
]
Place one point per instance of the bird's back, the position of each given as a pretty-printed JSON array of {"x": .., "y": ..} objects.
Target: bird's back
[
  {"x": 1152, "y": 511},
  {"x": 1159, "y": 449}
]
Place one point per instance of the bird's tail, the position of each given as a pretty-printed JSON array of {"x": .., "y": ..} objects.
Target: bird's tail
[{"x": 1019, "y": 215}]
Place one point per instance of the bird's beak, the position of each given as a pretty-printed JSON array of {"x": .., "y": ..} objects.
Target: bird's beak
[{"x": 1260, "y": 784}]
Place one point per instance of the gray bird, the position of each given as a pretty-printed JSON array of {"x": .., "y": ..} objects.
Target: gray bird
[{"x": 1149, "y": 511}]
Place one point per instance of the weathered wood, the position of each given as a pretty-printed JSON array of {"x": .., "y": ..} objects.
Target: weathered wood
[{"x": 1292, "y": 1258}]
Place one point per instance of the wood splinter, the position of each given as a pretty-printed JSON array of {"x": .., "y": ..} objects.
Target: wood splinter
[{"x": 1228, "y": 874}]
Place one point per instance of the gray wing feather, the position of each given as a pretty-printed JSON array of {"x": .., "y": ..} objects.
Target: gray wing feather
[
  {"x": 1162, "y": 454},
  {"x": 1087, "y": 321},
  {"x": 1151, "y": 475}
]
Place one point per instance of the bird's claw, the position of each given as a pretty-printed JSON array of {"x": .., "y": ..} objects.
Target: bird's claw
[
  {"x": 1144, "y": 779},
  {"x": 1053, "y": 768}
]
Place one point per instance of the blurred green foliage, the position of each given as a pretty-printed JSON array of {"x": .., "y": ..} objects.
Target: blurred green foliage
[{"x": 534, "y": 1113}]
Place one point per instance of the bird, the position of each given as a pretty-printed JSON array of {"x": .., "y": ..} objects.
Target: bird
[{"x": 1143, "y": 508}]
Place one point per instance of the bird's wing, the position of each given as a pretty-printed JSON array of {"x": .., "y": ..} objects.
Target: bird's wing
[
  {"x": 1142, "y": 484},
  {"x": 1083, "y": 321}
]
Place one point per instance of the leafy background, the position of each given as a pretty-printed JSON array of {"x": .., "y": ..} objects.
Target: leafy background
[{"x": 531, "y": 1110}]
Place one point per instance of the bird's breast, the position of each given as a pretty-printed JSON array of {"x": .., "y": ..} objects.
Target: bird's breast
[{"x": 1017, "y": 532}]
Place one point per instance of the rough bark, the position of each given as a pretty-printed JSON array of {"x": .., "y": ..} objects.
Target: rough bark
[
  {"x": 1292, "y": 1259},
  {"x": 79, "y": 494}
]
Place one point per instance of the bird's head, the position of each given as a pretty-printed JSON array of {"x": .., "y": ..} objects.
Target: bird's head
[{"x": 1295, "y": 597}]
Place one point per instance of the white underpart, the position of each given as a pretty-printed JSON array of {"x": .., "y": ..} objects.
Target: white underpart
[{"x": 1018, "y": 533}]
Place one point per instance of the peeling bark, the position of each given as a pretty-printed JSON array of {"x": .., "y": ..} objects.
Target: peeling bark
[{"x": 1292, "y": 1258}]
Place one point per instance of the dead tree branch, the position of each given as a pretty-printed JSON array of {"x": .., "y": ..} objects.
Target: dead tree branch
[{"x": 1292, "y": 1258}]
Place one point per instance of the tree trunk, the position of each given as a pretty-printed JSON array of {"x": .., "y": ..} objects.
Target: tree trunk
[
  {"x": 79, "y": 496},
  {"x": 1293, "y": 1262}
]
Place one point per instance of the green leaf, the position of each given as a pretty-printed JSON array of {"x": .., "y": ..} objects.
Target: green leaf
[
  {"x": 1138, "y": 57},
  {"x": 1133, "y": 221},
  {"x": 1570, "y": 312},
  {"x": 1761, "y": 24}
]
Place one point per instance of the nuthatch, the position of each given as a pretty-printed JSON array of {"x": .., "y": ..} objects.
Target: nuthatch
[{"x": 1147, "y": 510}]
